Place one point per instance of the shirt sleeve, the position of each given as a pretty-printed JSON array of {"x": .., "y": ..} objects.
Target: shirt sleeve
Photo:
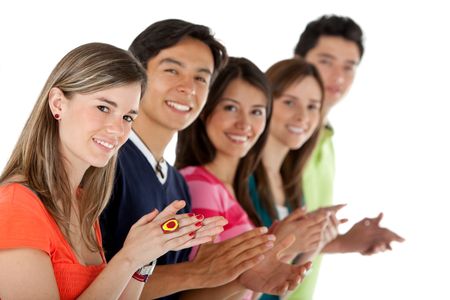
[
  {"x": 24, "y": 221},
  {"x": 205, "y": 198}
]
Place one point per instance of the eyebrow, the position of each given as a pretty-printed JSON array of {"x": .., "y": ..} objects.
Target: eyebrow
[
  {"x": 327, "y": 55},
  {"x": 289, "y": 95},
  {"x": 114, "y": 104},
  {"x": 169, "y": 60},
  {"x": 298, "y": 99},
  {"x": 237, "y": 102},
  {"x": 315, "y": 100}
]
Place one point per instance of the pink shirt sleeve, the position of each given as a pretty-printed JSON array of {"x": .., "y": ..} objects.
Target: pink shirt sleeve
[{"x": 211, "y": 198}]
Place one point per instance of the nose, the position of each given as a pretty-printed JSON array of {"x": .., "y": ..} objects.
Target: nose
[
  {"x": 116, "y": 126},
  {"x": 243, "y": 121},
  {"x": 302, "y": 115},
  {"x": 338, "y": 75},
  {"x": 186, "y": 86}
]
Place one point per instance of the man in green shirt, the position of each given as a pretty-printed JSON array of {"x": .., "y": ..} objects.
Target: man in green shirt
[{"x": 334, "y": 44}]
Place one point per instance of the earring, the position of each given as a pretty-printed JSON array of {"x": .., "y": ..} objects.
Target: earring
[{"x": 56, "y": 116}]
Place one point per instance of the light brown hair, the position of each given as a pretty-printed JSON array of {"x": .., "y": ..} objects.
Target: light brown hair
[
  {"x": 36, "y": 160},
  {"x": 281, "y": 76}
]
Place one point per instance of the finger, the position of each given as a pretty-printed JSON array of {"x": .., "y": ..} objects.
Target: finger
[
  {"x": 377, "y": 220},
  {"x": 216, "y": 219},
  {"x": 335, "y": 208},
  {"x": 177, "y": 242},
  {"x": 396, "y": 237},
  {"x": 188, "y": 219},
  {"x": 281, "y": 289},
  {"x": 147, "y": 218},
  {"x": 186, "y": 230},
  {"x": 209, "y": 231},
  {"x": 334, "y": 221},
  {"x": 249, "y": 237},
  {"x": 294, "y": 281},
  {"x": 379, "y": 247},
  {"x": 342, "y": 221},
  {"x": 171, "y": 210},
  {"x": 251, "y": 248},
  {"x": 314, "y": 228},
  {"x": 307, "y": 265},
  {"x": 247, "y": 264},
  {"x": 194, "y": 242},
  {"x": 274, "y": 226},
  {"x": 320, "y": 217},
  {"x": 283, "y": 245},
  {"x": 295, "y": 215}
]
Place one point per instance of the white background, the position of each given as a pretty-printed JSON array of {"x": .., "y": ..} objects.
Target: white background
[{"x": 391, "y": 130}]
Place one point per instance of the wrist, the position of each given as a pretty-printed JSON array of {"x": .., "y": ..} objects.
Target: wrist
[
  {"x": 337, "y": 245},
  {"x": 125, "y": 261},
  {"x": 198, "y": 277}
]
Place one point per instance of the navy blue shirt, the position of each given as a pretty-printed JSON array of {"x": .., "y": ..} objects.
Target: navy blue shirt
[{"x": 137, "y": 191}]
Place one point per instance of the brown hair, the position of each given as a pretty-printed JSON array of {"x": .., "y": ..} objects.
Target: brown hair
[
  {"x": 194, "y": 147},
  {"x": 36, "y": 160},
  {"x": 281, "y": 76}
]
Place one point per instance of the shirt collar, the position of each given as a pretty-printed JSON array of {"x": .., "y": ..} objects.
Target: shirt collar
[{"x": 134, "y": 138}]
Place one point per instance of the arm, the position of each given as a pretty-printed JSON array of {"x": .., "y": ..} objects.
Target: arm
[
  {"x": 16, "y": 264},
  {"x": 145, "y": 242},
  {"x": 365, "y": 237},
  {"x": 307, "y": 229},
  {"x": 230, "y": 291},
  {"x": 215, "y": 265}
]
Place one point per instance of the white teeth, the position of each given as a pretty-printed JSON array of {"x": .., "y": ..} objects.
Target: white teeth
[
  {"x": 178, "y": 106},
  {"x": 295, "y": 129},
  {"x": 238, "y": 138},
  {"x": 103, "y": 143}
]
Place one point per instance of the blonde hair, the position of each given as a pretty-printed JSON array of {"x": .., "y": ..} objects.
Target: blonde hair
[{"x": 36, "y": 160}]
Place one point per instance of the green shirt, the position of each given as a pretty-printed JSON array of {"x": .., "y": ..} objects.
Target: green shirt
[{"x": 318, "y": 179}]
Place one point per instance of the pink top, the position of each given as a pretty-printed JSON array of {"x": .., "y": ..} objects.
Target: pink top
[
  {"x": 26, "y": 223},
  {"x": 211, "y": 198}
]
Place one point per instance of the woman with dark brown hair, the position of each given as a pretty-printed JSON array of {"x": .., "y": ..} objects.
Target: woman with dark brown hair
[{"x": 217, "y": 154}]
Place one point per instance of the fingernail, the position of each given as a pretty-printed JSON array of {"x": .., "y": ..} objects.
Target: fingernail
[
  {"x": 191, "y": 214},
  {"x": 200, "y": 217},
  {"x": 269, "y": 245},
  {"x": 192, "y": 233},
  {"x": 198, "y": 224},
  {"x": 271, "y": 237}
]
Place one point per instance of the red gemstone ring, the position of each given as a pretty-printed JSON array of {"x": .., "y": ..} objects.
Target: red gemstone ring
[{"x": 170, "y": 225}]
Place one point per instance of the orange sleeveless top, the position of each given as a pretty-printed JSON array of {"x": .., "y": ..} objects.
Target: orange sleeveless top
[{"x": 26, "y": 223}]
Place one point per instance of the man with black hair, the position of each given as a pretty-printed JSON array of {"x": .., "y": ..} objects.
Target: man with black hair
[{"x": 334, "y": 44}]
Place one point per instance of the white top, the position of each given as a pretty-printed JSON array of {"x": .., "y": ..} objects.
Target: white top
[
  {"x": 149, "y": 156},
  {"x": 282, "y": 210}
]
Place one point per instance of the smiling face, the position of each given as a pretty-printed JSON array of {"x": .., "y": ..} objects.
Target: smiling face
[
  {"x": 296, "y": 113},
  {"x": 93, "y": 126},
  {"x": 336, "y": 60},
  {"x": 178, "y": 83},
  {"x": 238, "y": 120}
]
